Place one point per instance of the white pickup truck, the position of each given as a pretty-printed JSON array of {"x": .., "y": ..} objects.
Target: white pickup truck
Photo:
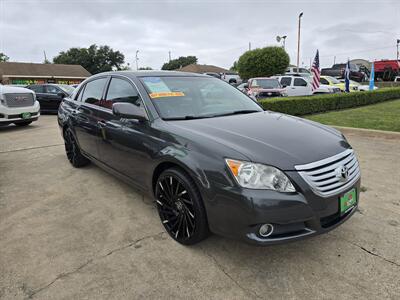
[
  {"x": 18, "y": 105},
  {"x": 301, "y": 86}
]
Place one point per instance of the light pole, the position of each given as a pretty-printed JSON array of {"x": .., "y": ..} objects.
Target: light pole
[
  {"x": 137, "y": 59},
  {"x": 398, "y": 55},
  {"x": 298, "y": 42}
]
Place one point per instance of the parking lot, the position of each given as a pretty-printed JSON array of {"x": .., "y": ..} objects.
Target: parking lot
[{"x": 80, "y": 233}]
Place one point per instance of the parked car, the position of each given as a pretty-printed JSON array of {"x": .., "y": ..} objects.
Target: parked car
[
  {"x": 295, "y": 85},
  {"x": 231, "y": 77},
  {"x": 211, "y": 157},
  {"x": 264, "y": 87},
  {"x": 332, "y": 81},
  {"x": 356, "y": 86},
  {"x": 213, "y": 74},
  {"x": 18, "y": 105},
  {"x": 50, "y": 95},
  {"x": 338, "y": 70},
  {"x": 387, "y": 69},
  {"x": 299, "y": 71}
]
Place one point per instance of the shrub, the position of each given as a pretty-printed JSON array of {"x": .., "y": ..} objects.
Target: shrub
[
  {"x": 263, "y": 62},
  {"x": 299, "y": 106}
]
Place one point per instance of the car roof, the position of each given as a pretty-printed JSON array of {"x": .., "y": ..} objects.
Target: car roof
[
  {"x": 263, "y": 78},
  {"x": 153, "y": 74}
]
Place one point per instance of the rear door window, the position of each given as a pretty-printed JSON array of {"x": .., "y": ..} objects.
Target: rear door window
[
  {"x": 93, "y": 91},
  {"x": 36, "y": 88},
  {"x": 286, "y": 81},
  {"x": 300, "y": 82}
]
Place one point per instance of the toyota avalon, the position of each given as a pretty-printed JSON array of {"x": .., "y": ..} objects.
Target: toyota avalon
[{"x": 212, "y": 158}]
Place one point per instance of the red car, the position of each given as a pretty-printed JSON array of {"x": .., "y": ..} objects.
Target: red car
[{"x": 264, "y": 87}]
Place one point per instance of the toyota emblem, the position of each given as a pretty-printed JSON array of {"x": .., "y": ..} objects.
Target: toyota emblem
[{"x": 342, "y": 173}]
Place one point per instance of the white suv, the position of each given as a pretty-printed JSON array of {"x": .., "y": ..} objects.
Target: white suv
[{"x": 18, "y": 105}]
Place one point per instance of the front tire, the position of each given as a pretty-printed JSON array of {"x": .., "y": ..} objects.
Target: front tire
[
  {"x": 180, "y": 207},
  {"x": 72, "y": 150}
]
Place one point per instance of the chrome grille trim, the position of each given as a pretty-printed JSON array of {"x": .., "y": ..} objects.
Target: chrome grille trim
[
  {"x": 19, "y": 99},
  {"x": 321, "y": 175}
]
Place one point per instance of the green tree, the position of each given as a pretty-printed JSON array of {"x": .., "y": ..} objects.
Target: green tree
[
  {"x": 95, "y": 59},
  {"x": 179, "y": 62},
  {"x": 234, "y": 66},
  {"x": 266, "y": 61},
  {"x": 3, "y": 57}
]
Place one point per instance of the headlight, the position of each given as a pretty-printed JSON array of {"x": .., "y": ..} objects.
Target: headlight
[{"x": 258, "y": 176}]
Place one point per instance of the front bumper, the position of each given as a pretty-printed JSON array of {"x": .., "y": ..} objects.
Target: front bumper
[
  {"x": 238, "y": 213},
  {"x": 14, "y": 114}
]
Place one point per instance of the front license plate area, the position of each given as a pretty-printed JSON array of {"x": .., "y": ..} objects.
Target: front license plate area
[
  {"x": 26, "y": 115},
  {"x": 347, "y": 201}
]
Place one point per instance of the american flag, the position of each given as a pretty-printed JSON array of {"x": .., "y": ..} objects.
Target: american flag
[{"x": 316, "y": 72}]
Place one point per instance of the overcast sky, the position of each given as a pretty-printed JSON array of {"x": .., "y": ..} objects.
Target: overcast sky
[{"x": 217, "y": 32}]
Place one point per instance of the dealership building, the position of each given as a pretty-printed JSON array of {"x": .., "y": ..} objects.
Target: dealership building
[{"x": 17, "y": 73}]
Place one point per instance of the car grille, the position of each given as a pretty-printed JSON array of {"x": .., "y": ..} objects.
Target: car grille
[
  {"x": 268, "y": 94},
  {"x": 325, "y": 176},
  {"x": 19, "y": 99}
]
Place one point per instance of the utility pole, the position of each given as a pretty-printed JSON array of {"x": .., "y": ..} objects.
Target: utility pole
[
  {"x": 398, "y": 54},
  {"x": 334, "y": 60},
  {"x": 249, "y": 46},
  {"x": 137, "y": 60},
  {"x": 169, "y": 55},
  {"x": 45, "y": 57},
  {"x": 298, "y": 42}
]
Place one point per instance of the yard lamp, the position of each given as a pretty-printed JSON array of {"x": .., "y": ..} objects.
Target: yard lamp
[
  {"x": 137, "y": 59},
  {"x": 298, "y": 42},
  {"x": 281, "y": 38}
]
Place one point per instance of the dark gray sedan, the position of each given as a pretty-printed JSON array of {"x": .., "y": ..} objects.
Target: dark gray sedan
[{"x": 213, "y": 160}]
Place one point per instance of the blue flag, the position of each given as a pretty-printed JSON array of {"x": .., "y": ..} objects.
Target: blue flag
[
  {"x": 372, "y": 77},
  {"x": 347, "y": 77}
]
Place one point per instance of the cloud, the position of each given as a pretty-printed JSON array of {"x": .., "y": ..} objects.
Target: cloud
[{"x": 217, "y": 32}]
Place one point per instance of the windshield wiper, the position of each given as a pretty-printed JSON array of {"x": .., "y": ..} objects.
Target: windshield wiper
[
  {"x": 190, "y": 117},
  {"x": 238, "y": 112}
]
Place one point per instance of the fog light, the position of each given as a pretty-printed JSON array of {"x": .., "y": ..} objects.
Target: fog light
[{"x": 266, "y": 230}]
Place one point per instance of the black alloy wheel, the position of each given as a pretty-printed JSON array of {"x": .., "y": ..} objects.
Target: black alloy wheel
[
  {"x": 74, "y": 155},
  {"x": 180, "y": 207}
]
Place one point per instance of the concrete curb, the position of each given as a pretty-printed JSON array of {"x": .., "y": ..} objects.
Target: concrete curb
[{"x": 369, "y": 132}]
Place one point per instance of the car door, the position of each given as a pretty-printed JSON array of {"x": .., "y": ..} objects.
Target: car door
[
  {"x": 85, "y": 115},
  {"x": 125, "y": 144},
  {"x": 301, "y": 87},
  {"x": 286, "y": 83},
  {"x": 52, "y": 97},
  {"x": 40, "y": 95}
]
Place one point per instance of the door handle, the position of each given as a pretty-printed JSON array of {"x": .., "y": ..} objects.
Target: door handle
[{"x": 102, "y": 123}]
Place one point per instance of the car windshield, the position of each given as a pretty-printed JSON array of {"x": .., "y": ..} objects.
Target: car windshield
[
  {"x": 66, "y": 88},
  {"x": 334, "y": 80},
  {"x": 265, "y": 83},
  {"x": 179, "y": 98}
]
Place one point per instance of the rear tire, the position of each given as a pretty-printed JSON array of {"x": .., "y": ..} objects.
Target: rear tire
[
  {"x": 21, "y": 124},
  {"x": 180, "y": 207},
  {"x": 72, "y": 150}
]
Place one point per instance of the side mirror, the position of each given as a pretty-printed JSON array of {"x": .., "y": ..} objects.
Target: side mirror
[
  {"x": 61, "y": 95},
  {"x": 129, "y": 111}
]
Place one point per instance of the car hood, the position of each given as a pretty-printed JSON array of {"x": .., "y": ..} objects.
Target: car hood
[
  {"x": 267, "y": 137},
  {"x": 14, "y": 90}
]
